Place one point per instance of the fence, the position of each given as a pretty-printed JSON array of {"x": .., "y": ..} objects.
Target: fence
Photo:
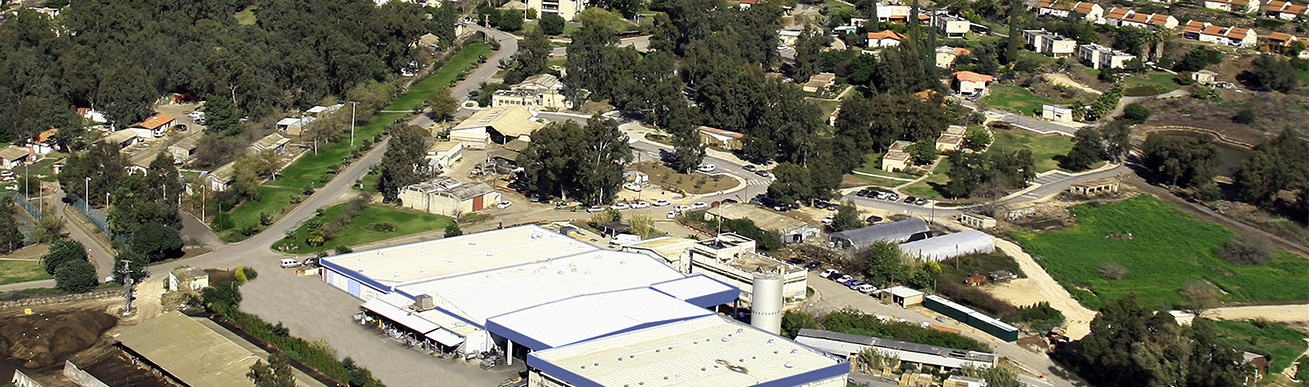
[
  {"x": 26, "y": 205},
  {"x": 98, "y": 220}
]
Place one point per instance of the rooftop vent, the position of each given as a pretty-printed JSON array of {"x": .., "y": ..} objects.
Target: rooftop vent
[{"x": 424, "y": 302}]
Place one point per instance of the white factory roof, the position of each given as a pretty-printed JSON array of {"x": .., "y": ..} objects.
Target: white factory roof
[
  {"x": 845, "y": 344},
  {"x": 478, "y": 295},
  {"x": 699, "y": 289},
  {"x": 586, "y": 317},
  {"x": 706, "y": 351},
  {"x": 428, "y": 260}
]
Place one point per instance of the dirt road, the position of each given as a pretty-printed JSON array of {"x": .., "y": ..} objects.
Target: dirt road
[
  {"x": 1064, "y": 80},
  {"x": 1297, "y": 313},
  {"x": 1039, "y": 286}
]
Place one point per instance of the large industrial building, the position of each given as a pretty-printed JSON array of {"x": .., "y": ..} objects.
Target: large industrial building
[
  {"x": 536, "y": 294},
  {"x": 729, "y": 258}
]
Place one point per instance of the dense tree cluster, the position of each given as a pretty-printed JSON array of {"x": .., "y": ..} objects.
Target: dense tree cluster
[
  {"x": 871, "y": 124},
  {"x": 10, "y": 237},
  {"x": 1271, "y": 73},
  {"x": 1131, "y": 345},
  {"x": 560, "y": 152},
  {"x": 1274, "y": 166},
  {"x": 67, "y": 261},
  {"x": 120, "y": 56},
  {"x": 972, "y": 173},
  {"x": 1187, "y": 162},
  {"x": 404, "y": 162}
]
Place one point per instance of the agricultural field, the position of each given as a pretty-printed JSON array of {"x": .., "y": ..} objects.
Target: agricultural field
[
  {"x": 1044, "y": 148},
  {"x": 15, "y": 271},
  {"x": 315, "y": 169},
  {"x": 1156, "y": 250},
  {"x": 372, "y": 224}
]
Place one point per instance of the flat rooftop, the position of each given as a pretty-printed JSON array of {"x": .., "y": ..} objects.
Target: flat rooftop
[
  {"x": 576, "y": 319},
  {"x": 439, "y": 258},
  {"x": 706, "y": 351},
  {"x": 478, "y": 295}
]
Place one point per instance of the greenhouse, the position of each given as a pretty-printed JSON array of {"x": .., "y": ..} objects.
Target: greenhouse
[{"x": 949, "y": 246}]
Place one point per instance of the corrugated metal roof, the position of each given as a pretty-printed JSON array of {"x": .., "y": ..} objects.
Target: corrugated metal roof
[
  {"x": 590, "y": 316},
  {"x": 895, "y": 232}
]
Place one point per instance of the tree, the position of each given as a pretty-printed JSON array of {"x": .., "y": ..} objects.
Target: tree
[
  {"x": 403, "y": 164},
  {"x": 223, "y": 116},
  {"x": 873, "y": 360},
  {"x": 1117, "y": 139},
  {"x": 62, "y": 251},
  {"x": 1136, "y": 113},
  {"x": 443, "y": 104},
  {"x": 10, "y": 237},
  {"x": 884, "y": 261},
  {"x": 627, "y": 8},
  {"x": 1187, "y": 162},
  {"x": 1199, "y": 296},
  {"x": 794, "y": 321},
  {"x": 1197, "y": 59},
  {"x": 132, "y": 263},
  {"x": 76, "y": 277},
  {"x": 551, "y": 24},
  {"x": 1105, "y": 103},
  {"x": 1088, "y": 146},
  {"x": 791, "y": 183},
  {"x": 1245, "y": 116},
  {"x": 157, "y": 242},
  {"x": 453, "y": 230},
  {"x": 101, "y": 163},
  {"x": 923, "y": 151},
  {"x": 847, "y": 218},
  {"x": 276, "y": 373},
  {"x": 1271, "y": 168},
  {"x": 533, "y": 52},
  {"x": 587, "y": 162},
  {"x": 226, "y": 293},
  {"x": 1271, "y": 73},
  {"x": 808, "y": 51},
  {"x": 978, "y": 138},
  {"x": 509, "y": 21},
  {"x": 1015, "y": 39}
]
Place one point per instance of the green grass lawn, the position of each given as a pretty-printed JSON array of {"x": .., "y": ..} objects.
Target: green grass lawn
[
  {"x": 1170, "y": 249},
  {"x": 275, "y": 196},
  {"x": 1017, "y": 100},
  {"x": 246, "y": 16},
  {"x": 877, "y": 180},
  {"x": 1044, "y": 148},
  {"x": 361, "y": 230},
  {"x": 1163, "y": 82},
  {"x": 1303, "y": 75},
  {"x": 926, "y": 188},
  {"x": 21, "y": 271},
  {"x": 1281, "y": 343}
]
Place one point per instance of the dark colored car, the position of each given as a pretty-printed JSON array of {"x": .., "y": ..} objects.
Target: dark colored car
[
  {"x": 813, "y": 265},
  {"x": 749, "y": 167},
  {"x": 910, "y": 199},
  {"x": 795, "y": 261},
  {"x": 873, "y": 219},
  {"x": 729, "y": 201}
]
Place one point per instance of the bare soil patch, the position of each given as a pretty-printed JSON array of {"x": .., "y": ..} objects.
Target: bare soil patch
[
  {"x": 46, "y": 339},
  {"x": 691, "y": 183}
]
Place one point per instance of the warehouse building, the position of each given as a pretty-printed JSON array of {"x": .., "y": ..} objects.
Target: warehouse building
[
  {"x": 948, "y": 246},
  {"x": 498, "y": 124},
  {"x": 446, "y": 196},
  {"x": 849, "y": 345},
  {"x": 711, "y": 350},
  {"x": 894, "y": 232},
  {"x": 525, "y": 289},
  {"x": 792, "y": 230},
  {"x": 971, "y": 317}
]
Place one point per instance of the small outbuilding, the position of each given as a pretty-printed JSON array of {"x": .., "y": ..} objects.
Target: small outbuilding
[
  {"x": 446, "y": 196},
  {"x": 14, "y": 157},
  {"x": 725, "y": 139},
  {"x": 903, "y": 296},
  {"x": 187, "y": 277},
  {"x": 894, "y": 232},
  {"x": 949, "y": 246}
]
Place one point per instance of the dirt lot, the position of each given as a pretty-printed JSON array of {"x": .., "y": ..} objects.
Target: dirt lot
[{"x": 692, "y": 183}]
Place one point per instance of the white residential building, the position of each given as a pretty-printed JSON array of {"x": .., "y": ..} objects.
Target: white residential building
[
  {"x": 567, "y": 9},
  {"x": 1101, "y": 57},
  {"x": 1231, "y": 36},
  {"x": 1049, "y": 43}
]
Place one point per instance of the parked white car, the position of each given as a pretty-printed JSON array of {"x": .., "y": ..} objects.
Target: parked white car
[
  {"x": 632, "y": 187},
  {"x": 699, "y": 205},
  {"x": 829, "y": 219},
  {"x": 595, "y": 209},
  {"x": 620, "y": 206},
  {"x": 661, "y": 202},
  {"x": 706, "y": 168},
  {"x": 682, "y": 208},
  {"x": 866, "y": 288},
  {"x": 641, "y": 204},
  {"x": 672, "y": 214},
  {"x": 505, "y": 204}
]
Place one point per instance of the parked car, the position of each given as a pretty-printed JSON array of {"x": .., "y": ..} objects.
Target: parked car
[
  {"x": 813, "y": 265},
  {"x": 844, "y": 278},
  {"x": 873, "y": 219},
  {"x": 795, "y": 261},
  {"x": 883, "y": 194},
  {"x": 866, "y": 288},
  {"x": 505, "y": 204},
  {"x": 827, "y": 272},
  {"x": 620, "y": 206},
  {"x": 661, "y": 202},
  {"x": 910, "y": 200},
  {"x": 863, "y": 193},
  {"x": 849, "y": 281},
  {"x": 595, "y": 209},
  {"x": 288, "y": 263},
  {"x": 761, "y": 173},
  {"x": 749, "y": 168},
  {"x": 641, "y": 204},
  {"x": 829, "y": 219},
  {"x": 855, "y": 284},
  {"x": 921, "y": 201},
  {"x": 682, "y": 208},
  {"x": 729, "y": 201},
  {"x": 893, "y": 196},
  {"x": 672, "y": 214},
  {"x": 706, "y": 168},
  {"x": 632, "y": 187},
  {"x": 699, "y": 205}
]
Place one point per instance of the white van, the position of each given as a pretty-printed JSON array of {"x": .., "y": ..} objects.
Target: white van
[{"x": 289, "y": 263}]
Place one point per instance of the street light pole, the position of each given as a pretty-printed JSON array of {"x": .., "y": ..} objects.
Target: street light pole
[
  {"x": 86, "y": 194},
  {"x": 353, "y": 106}
]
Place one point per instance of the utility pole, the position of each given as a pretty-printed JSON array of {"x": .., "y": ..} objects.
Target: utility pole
[
  {"x": 127, "y": 286},
  {"x": 353, "y": 106}
]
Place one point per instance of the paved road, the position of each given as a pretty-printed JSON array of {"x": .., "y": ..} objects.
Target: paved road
[
  {"x": 640, "y": 43},
  {"x": 508, "y": 47},
  {"x": 833, "y": 296}
]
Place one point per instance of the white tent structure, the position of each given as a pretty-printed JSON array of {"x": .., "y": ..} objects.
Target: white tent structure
[{"x": 949, "y": 246}]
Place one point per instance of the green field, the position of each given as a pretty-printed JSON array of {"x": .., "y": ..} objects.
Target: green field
[
  {"x": 1162, "y": 81},
  {"x": 926, "y": 188},
  {"x": 1282, "y": 344},
  {"x": 1017, "y": 100},
  {"x": 21, "y": 271},
  {"x": 1169, "y": 250},
  {"x": 361, "y": 230},
  {"x": 275, "y": 196},
  {"x": 1044, "y": 148},
  {"x": 877, "y": 180},
  {"x": 246, "y": 16}
]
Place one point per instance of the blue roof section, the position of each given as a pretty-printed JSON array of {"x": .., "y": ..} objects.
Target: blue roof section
[{"x": 699, "y": 290}]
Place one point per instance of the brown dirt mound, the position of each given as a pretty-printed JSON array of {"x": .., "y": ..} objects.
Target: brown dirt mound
[{"x": 46, "y": 339}]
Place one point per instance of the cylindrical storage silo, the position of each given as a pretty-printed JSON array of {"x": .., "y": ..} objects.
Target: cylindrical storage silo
[{"x": 766, "y": 302}]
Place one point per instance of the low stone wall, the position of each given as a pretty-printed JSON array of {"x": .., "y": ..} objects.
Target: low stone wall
[{"x": 60, "y": 299}]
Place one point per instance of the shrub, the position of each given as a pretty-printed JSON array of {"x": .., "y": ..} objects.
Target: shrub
[
  {"x": 1113, "y": 270},
  {"x": 76, "y": 277},
  {"x": 1136, "y": 113},
  {"x": 1143, "y": 90},
  {"x": 382, "y": 227},
  {"x": 240, "y": 276},
  {"x": 1245, "y": 116},
  {"x": 343, "y": 249},
  {"x": 1243, "y": 250},
  {"x": 250, "y": 273},
  {"x": 226, "y": 293}
]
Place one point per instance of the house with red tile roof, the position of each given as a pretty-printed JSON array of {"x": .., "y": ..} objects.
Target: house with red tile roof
[
  {"x": 745, "y": 4},
  {"x": 1061, "y": 9},
  {"x": 969, "y": 83},
  {"x": 945, "y": 55},
  {"x": 158, "y": 124},
  {"x": 1231, "y": 36},
  {"x": 1280, "y": 42},
  {"x": 1283, "y": 10},
  {"x": 1122, "y": 17},
  {"x": 884, "y": 38},
  {"x": 1233, "y": 6}
]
